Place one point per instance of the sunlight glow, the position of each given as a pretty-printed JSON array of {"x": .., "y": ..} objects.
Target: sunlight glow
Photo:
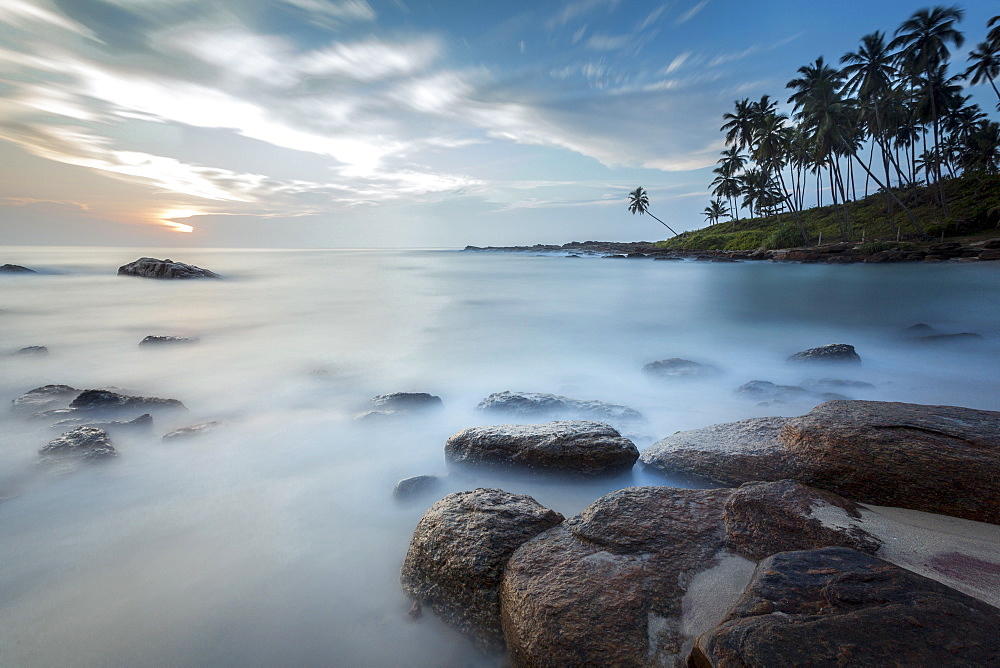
[{"x": 168, "y": 218}]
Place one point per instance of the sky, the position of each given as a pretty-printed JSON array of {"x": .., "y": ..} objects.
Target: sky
[{"x": 389, "y": 123}]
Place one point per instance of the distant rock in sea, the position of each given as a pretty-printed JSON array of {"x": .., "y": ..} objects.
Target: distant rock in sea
[
  {"x": 15, "y": 269},
  {"x": 149, "y": 267},
  {"x": 161, "y": 340}
]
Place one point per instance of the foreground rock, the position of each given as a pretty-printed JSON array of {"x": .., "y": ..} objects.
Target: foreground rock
[
  {"x": 675, "y": 367},
  {"x": 575, "y": 446},
  {"x": 839, "y": 607},
  {"x": 458, "y": 553},
  {"x": 86, "y": 443},
  {"x": 541, "y": 405},
  {"x": 45, "y": 398},
  {"x": 149, "y": 267},
  {"x": 939, "y": 459},
  {"x": 832, "y": 352},
  {"x": 108, "y": 401}
]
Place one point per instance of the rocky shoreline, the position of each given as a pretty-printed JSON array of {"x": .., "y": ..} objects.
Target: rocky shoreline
[{"x": 835, "y": 253}]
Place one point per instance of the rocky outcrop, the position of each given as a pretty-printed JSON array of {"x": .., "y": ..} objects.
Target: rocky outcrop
[
  {"x": 44, "y": 398},
  {"x": 675, "y": 367},
  {"x": 86, "y": 443},
  {"x": 458, "y": 552},
  {"x": 15, "y": 269},
  {"x": 938, "y": 459},
  {"x": 108, "y": 401},
  {"x": 163, "y": 340},
  {"x": 832, "y": 352},
  {"x": 573, "y": 446},
  {"x": 200, "y": 429},
  {"x": 838, "y": 607},
  {"x": 540, "y": 405},
  {"x": 149, "y": 267}
]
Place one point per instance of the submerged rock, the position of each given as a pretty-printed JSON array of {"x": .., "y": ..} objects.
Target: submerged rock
[
  {"x": 400, "y": 405},
  {"x": 87, "y": 443},
  {"x": 575, "y": 446},
  {"x": 44, "y": 398},
  {"x": 675, "y": 367},
  {"x": 148, "y": 267},
  {"x": 838, "y": 607},
  {"x": 939, "y": 459},
  {"x": 458, "y": 552},
  {"x": 199, "y": 429},
  {"x": 161, "y": 340},
  {"x": 832, "y": 352},
  {"x": 417, "y": 485},
  {"x": 106, "y": 400},
  {"x": 144, "y": 421},
  {"x": 33, "y": 350},
  {"x": 538, "y": 404},
  {"x": 15, "y": 269}
]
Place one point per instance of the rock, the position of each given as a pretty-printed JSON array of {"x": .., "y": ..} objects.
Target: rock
[
  {"x": 765, "y": 390},
  {"x": 44, "y": 398},
  {"x": 87, "y": 443},
  {"x": 15, "y": 269},
  {"x": 407, "y": 401},
  {"x": 107, "y": 401},
  {"x": 144, "y": 421},
  {"x": 576, "y": 446},
  {"x": 961, "y": 337},
  {"x": 832, "y": 352},
  {"x": 417, "y": 485},
  {"x": 161, "y": 340},
  {"x": 938, "y": 459},
  {"x": 827, "y": 385},
  {"x": 33, "y": 350},
  {"x": 763, "y": 518},
  {"x": 148, "y": 267},
  {"x": 676, "y": 367},
  {"x": 536, "y": 404},
  {"x": 199, "y": 429},
  {"x": 838, "y": 607},
  {"x": 458, "y": 552},
  {"x": 607, "y": 588}
]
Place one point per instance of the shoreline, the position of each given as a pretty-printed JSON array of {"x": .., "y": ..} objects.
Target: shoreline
[{"x": 835, "y": 253}]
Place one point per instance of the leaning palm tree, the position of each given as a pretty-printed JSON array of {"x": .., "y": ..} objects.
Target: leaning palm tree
[
  {"x": 638, "y": 202},
  {"x": 985, "y": 65}
]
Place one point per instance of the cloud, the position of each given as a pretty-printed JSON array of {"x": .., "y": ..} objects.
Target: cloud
[
  {"x": 607, "y": 42},
  {"x": 690, "y": 14}
]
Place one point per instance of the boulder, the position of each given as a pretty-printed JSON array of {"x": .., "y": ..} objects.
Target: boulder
[
  {"x": 574, "y": 446},
  {"x": 832, "y": 352},
  {"x": 33, "y": 350},
  {"x": 400, "y": 405},
  {"x": 938, "y": 459},
  {"x": 765, "y": 390},
  {"x": 15, "y": 269},
  {"x": 536, "y": 404},
  {"x": 839, "y": 607},
  {"x": 148, "y": 267},
  {"x": 108, "y": 401},
  {"x": 607, "y": 588},
  {"x": 458, "y": 552},
  {"x": 161, "y": 340},
  {"x": 144, "y": 421},
  {"x": 191, "y": 431},
  {"x": 675, "y": 367},
  {"x": 88, "y": 443},
  {"x": 44, "y": 398},
  {"x": 414, "y": 486}
]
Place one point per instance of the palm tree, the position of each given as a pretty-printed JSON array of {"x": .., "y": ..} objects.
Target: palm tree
[
  {"x": 985, "y": 64},
  {"x": 638, "y": 202},
  {"x": 715, "y": 210},
  {"x": 739, "y": 126}
]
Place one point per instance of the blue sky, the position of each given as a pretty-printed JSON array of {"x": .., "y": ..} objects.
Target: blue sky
[{"x": 395, "y": 123}]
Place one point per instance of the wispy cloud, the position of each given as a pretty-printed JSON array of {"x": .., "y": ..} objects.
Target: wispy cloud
[{"x": 691, "y": 13}]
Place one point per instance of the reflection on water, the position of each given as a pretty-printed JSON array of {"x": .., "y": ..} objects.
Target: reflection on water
[{"x": 275, "y": 541}]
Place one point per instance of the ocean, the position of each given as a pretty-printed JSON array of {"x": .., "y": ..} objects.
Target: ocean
[{"x": 275, "y": 539}]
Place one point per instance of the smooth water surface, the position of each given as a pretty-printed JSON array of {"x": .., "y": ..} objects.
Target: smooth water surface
[{"x": 276, "y": 541}]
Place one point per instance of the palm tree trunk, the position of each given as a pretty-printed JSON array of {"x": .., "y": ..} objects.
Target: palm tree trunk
[
  {"x": 909, "y": 213},
  {"x": 662, "y": 223}
]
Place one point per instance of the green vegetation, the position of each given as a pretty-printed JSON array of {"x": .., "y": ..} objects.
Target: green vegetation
[
  {"x": 973, "y": 208},
  {"x": 892, "y": 118}
]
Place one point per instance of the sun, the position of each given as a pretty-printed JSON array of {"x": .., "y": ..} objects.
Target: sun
[{"x": 169, "y": 217}]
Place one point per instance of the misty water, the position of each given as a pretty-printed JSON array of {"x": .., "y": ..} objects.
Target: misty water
[{"x": 276, "y": 540}]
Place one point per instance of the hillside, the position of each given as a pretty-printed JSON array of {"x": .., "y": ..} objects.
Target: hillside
[{"x": 973, "y": 213}]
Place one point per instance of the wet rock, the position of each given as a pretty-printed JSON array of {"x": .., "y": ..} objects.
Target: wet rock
[
  {"x": 414, "y": 486},
  {"x": 33, "y": 350},
  {"x": 458, "y": 552},
  {"x": 144, "y": 421},
  {"x": 764, "y": 390},
  {"x": 832, "y": 352},
  {"x": 44, "y": 398},
  {"x": 537, "y": 404},
  {"x": 108, "y": 401},
  {"x": 675, "y": 367},
  {"x": 162, "y": 340},
  {"x": 607, "y": 588},
  {"x": 827, "y": 385},
  {"x": 407, "y": 402},
  {"x": 838, "y": 607},
  {"x": 191, "y": 431},
  {"x": 148, "y": 267},
  {"x": 938, "y": 459},
  {"x": 764, "y": 518},
  {"x": 15, "y": 269},
  {"x": 574, "y": 446},
  {"x": 88, "y": 443}
]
